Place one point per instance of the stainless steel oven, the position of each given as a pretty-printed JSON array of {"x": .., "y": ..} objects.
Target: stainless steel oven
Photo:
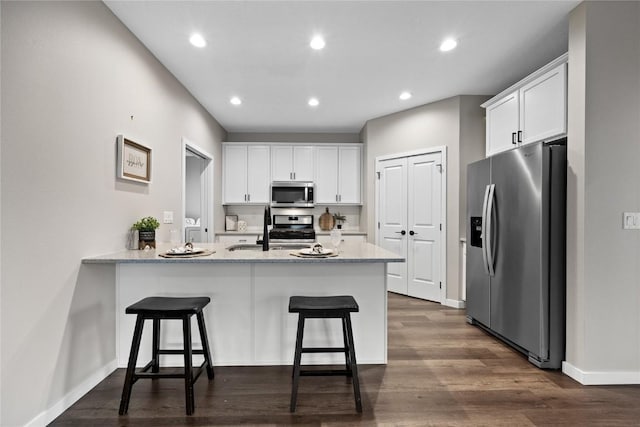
[{"x": 292, "y": 194}]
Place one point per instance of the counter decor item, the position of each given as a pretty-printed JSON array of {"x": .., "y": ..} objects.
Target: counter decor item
[
  {"x": 231, "y": 223},
  {"x": 326, "y": 220},
  {"x": 146, "y": 231},
  {"x": 339, "y": 219},
  {"x": 134, "y": 161},
  {"x": 242, "y": 226}
]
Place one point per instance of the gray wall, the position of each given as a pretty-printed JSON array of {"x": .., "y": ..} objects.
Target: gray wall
[
  {"x": 603, "y": 277},
  {"x": 456, "y": 123},
  {"x": 72, "y": 76}
]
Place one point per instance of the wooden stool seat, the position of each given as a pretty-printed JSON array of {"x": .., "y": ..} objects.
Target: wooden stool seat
[
  {"x": 156, "y": 309},
  {"x": 328, "y": 307}
]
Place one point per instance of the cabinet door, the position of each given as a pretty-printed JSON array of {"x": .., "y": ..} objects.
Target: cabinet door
[
  {"x": 235, "y": 173},
  {"x": 326, "y": 190},
  {"x": 281, "y": 163},
  {"x": 258, "y": 173},
  {"x": 502, "y": 122},
  {"x": 349, "y": 175},
  {"x": 303, "y": 163},
  {"x": 543, "y": 106}
]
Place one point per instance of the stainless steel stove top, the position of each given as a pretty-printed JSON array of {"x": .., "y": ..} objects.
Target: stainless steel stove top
[{"x": 292, "y": 228}]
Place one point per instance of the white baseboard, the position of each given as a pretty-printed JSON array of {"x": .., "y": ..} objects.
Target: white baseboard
[
  {"x": 454, "y": 303},
  {"x": 51, "y": 413},
  {"x": 600, "y": 377}
]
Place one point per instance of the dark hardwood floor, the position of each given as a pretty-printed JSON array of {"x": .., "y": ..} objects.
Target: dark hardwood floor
[{"x": 441, "y": 371}]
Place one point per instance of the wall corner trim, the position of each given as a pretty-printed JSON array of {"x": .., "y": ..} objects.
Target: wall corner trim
[
  {"x": 51, "y": 413},
  {"x": 600, "y": 377},
  {"x": 454, "y": 303}
]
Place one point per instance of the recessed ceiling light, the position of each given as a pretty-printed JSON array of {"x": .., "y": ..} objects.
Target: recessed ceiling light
[
  {"x": 405, "y": 95},
  {"x": 197, "y": 40},
  {"x": 235, "y": 100},
  {"x": 314, "y": 102},
  {"x": 448, "y": 44},
  {"x": 317, "y": 43}
]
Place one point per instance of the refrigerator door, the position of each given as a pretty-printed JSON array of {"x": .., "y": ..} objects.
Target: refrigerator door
[
  {"x": 478, "y": 283},
  {"x": 517, "y": 306}
]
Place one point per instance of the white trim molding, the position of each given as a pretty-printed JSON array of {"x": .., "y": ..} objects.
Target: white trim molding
[
  {"x": 600, "y": 377},
  {"x": 54, "y": 411},
  {"x": 454, "y": 303}
]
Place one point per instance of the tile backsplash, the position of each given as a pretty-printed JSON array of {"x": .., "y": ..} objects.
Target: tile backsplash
[{"x": 253, "y": 214}]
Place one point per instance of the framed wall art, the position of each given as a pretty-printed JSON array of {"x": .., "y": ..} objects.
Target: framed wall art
[
  {"x": 231, "y": 223},
  {"x": 134, "y": 160}
]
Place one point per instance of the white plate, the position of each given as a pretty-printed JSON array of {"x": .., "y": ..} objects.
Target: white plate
[
  {"x": 310, "y": 252},
  {"x": 183, "y": 251}
]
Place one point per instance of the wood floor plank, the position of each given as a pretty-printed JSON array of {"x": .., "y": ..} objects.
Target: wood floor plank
[{"x": 441, "y": 372}]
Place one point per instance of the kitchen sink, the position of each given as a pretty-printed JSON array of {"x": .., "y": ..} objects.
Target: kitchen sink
[{"x": 272, "y": 247}]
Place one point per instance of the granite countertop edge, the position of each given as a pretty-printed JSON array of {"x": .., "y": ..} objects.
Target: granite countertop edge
[{"x": 349, "y": 253}]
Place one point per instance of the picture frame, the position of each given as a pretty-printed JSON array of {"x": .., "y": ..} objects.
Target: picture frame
[
  {"x": 134, "y": 160},
  {"x": 231, "y": 223}
]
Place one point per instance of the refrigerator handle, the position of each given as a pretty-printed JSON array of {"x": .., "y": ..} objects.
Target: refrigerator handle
[
  {"x": 489, "y": 245},
  {"x": 484, "y": 234}
]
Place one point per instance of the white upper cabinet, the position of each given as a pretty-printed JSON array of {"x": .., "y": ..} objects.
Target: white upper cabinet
[
  {"x": 532, "y": 110},
  {"x": 246, "y": 174},
  {"x": 338, "y": 174},
  {"x": 292, "y": 163}
]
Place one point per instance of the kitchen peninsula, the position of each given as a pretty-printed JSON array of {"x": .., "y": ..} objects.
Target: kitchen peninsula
[{"x": 248, "y": 321}]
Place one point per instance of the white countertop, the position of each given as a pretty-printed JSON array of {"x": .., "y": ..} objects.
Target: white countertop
[
  {"x": 349, "y": 253},
  {"x": 253, "y": 232}
]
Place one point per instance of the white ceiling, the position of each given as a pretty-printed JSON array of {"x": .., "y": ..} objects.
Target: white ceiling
[{"x": 259, "y": 51}]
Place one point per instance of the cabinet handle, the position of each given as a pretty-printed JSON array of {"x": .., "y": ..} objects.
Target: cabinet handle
[
  {"x": 336, "y": 197},
  {"x": 245, "y": 197},
  {"x": 294, "y": 175},
  {"x": 513, "y": 138},
  {"x": 339, "y": 197},
  {"x": 519, "y": 136},
  {"x": 248, "y": 197}
]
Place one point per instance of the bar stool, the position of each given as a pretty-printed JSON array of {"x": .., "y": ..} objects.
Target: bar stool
[
  {"x": 160, "y": 308},
  {"x": 331, "y": 307}
]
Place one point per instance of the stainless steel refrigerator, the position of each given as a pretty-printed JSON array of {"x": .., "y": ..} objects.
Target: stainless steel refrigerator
[{"x": 516, "y": 215}]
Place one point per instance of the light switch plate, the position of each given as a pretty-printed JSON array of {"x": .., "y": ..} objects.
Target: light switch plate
[
  {"x": 168, "y": 217},
  {"x": 631, "y": 220}
]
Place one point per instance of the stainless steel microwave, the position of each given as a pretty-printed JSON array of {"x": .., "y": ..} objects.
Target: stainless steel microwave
[{"x": 292, "y": 194}]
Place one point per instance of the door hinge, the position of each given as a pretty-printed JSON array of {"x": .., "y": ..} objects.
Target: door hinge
[
  {"x": 440, "y": 227},
  {"x": 378, "y": 225},
  {"x": 440, "y": 285},
  {"x": 378, "y": 173}
]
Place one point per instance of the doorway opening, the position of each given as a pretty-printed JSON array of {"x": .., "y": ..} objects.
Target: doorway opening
[{"x": 197, "y": 194}]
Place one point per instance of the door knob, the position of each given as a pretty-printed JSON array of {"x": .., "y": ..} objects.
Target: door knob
[
  {"x": 401, "y": 232},
  {"x": 411, "y": 233}
]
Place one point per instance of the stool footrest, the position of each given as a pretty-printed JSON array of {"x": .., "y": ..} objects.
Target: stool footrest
[
  {"x": 325, "y": 372},
  {"x": 324, "y": 349},
  {"x": 180, "y": 352}
]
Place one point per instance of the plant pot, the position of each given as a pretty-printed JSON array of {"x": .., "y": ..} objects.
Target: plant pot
[{"x": 146, "y": 238}]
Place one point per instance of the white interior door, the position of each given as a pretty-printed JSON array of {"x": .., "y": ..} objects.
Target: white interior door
[
  {"x": 424, "y": 234},
  {"x": 199, "y": 190},
  {"x": 392, "y": 211}
]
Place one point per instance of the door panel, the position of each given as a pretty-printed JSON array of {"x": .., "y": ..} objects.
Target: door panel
[
  {"x": 392, "y": 216},
  {"x": 516, "y": 288},
  {"x": 424, "y": 234},
  {"x": 477, "y": 281}
]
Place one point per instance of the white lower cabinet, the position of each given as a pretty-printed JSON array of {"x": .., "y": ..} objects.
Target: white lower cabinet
[
  {"x": 232, "y": 240},
  {"x": 325, "y": 239}
]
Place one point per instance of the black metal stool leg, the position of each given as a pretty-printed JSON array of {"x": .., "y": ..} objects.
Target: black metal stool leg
[
  {"x": 131, "y": 366},
  {"x": 188, "y": 360},
  {"x": 206, "y": 350},
  {"x": 155, "y": 357},
  {"x": 296, "y": 363},
  {"x": 354, "y": 365}
]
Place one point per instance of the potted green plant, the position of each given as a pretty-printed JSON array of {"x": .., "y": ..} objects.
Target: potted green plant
[
  {"x": 146, "y": 231},
  {"x": 339, "y": 219}
]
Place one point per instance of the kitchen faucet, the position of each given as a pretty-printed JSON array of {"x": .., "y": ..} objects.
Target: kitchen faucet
[{"x": 265, "y": 231}]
